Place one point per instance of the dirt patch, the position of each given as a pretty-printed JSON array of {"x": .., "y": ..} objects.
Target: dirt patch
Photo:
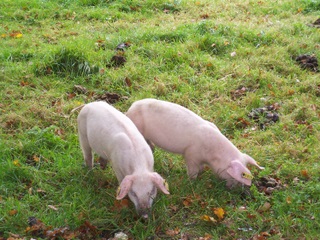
[
  {"x": 109, "y": 97},
  {"x": 268, "y": 185},
  {"x": 316, "y": 24},
  {"x": 265, "y": 116},
  {"x": 308, "y": 62}
]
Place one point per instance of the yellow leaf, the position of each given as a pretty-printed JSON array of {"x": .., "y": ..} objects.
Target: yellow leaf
[
  {"x": 289, "y": 200},
  {"x": 16, "y": 163},
  {"x": 219, "y": 212},
  {"x": 3, "y": 35},
  {"x": 19, "y": 35},
  {"x": 208, "y": 219}
]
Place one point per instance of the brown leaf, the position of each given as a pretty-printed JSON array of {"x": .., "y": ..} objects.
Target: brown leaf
[
  {"x": 187, "y": 202},
  {"x": 206, "y": 237},
  {"x": 304, "y": 173},
  {"x": 121, "y": 204},
  {"x": 15, "y": 34},
  {"x": 242, "y": 123},
  {"x": 204, "y": 16},
  {"x": 128, "y": 82},
  {"x": 172, "y": 232},
  {"x": 13, "y": 212},
  {"x": 36, "y": 158},
  {"x": 289, "y": 200},
  {"x": 71, "y": 95},
  {"x": 265, "y": 207},
  {"x": 24, "y": 83}
]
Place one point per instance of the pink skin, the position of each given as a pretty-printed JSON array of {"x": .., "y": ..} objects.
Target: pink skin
[
  {"x": 179, "y": 130},
  {"x": 114, "y": 137}
]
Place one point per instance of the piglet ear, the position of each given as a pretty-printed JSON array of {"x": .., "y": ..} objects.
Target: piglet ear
[
  {"x": 124, "y": 187},
  {"x": 250, "y": 160},
  {"x": 160, "y": 183},
  {"x": 236, "y": 170}
]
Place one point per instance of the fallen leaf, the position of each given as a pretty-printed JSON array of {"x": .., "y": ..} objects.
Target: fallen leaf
[
  {"x": 219, "y": 212},
  {"x": 187, "y": 202},
  {"x": 24, "y": 83},
  {"x": 172, "y": 232},
  {"x": 291, "y": 92},
  {"x": 13, "y": 212},
  {"x": 35, "y": 158},
  {"x": 304, "y": 173},
  {"x": 208, "y": 219},
  {"x": 289, "y": 200},
  {"x": 53, "y": 207},
  {"x": 71, "y": 95},
  {"x": 15, "y": 34},
  {"x": 206, "y": 237},
  {"x": 204, "y": 16},
  {"x": 121, "y": 204},
  {"x": 173, "y": 208},
  {"x": 265, "y": 207},
  {"x": 16, "y": 163},
  {"x": 128, "y": 82},
  {"x": 251, "y": 216}
]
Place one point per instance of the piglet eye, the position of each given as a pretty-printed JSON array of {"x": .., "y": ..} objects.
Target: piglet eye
[
  {"x": 153, "y": 191},
  {"x": 133, "y": 194}
]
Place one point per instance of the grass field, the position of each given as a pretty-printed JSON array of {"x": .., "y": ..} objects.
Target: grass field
[{"x": 224, "y": 60}]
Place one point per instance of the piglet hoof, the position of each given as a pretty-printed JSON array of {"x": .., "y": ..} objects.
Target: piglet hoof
[
  {"x": 103, "y": 163},
  {"x": 85, "y": 166}
]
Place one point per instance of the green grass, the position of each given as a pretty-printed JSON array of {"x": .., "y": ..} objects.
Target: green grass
[{"x": 181, "y": 52}]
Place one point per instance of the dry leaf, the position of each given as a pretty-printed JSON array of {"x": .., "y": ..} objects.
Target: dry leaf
[
  {"x": 219, "y": 212},
  {"x": 13, "y": 212},
  {"x": 289, "y": 200},
  {"x": 172, "y": 232},
  {"x": 304, "y": 173},
  {"x": 266, "y": 206},
  {"x": 208, "y": 219},
  {"x": 16, "y": 163},
  {"x": 206, "y": 237},
  {"x": 121, "y": 204},
  {"x": 53, "y": 207},
  {"x": 128, "y": 82},
  {"x": 35, "y": 158}
]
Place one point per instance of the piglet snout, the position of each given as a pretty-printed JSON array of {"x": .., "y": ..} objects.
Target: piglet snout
[{"x": 144, "y": 213}]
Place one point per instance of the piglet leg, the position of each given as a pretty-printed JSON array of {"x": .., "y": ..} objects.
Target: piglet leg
[{"x": 193, "y": 166}]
